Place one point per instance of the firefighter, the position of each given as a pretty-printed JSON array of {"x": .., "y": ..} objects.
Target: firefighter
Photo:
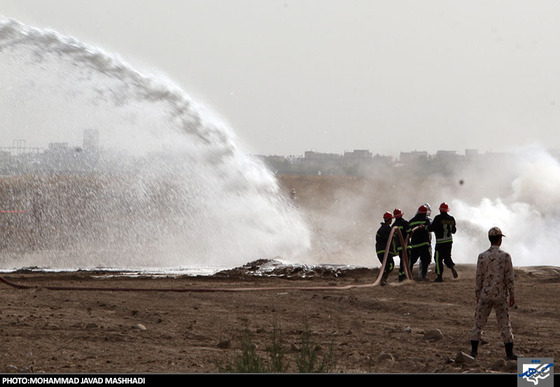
[
  {"x": 429, "y": 216},
  {"x": 443, "y": 227},
  {"x": 381, "y": 239},
  {"x": 494, "y": 285},
  {"x": 405, "y": 229},
  {"x": 420, "y": 242}
]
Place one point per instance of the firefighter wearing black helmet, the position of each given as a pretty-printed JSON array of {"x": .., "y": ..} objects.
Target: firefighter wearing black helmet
[
  {"x": 420, "y": 241},
  {"x": 444, "y": 227}
]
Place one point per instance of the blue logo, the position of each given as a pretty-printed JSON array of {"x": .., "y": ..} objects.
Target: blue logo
[{"x": 535, "y": 372}]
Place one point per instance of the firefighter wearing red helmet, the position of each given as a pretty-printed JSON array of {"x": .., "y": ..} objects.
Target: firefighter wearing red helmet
[
  {"x": 444, "y": 227},
  {"x": 420, "y": 241},
  {"x": 405, "y": 229},
  {"x": 381, "y": 239}
]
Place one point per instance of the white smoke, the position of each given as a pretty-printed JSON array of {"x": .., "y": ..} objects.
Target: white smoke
[
  {"x": 526, "y": 208},
  {"x": 518, "y": 191}
]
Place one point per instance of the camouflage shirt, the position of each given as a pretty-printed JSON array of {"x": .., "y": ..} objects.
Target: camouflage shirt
[{"x": 494, "y": 274}]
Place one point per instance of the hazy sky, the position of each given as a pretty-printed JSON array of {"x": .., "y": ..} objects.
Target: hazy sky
[{"x": 337, "y": 75}]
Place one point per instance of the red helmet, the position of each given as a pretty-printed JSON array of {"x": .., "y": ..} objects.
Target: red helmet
[
  {"x": 387, "y": 215},
  {"x": 443, "y": 207},
  {"x": 423, "y": 209},
  {"x": 398, "y": 213}
]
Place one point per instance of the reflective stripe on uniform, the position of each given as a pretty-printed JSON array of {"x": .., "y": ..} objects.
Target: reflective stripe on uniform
[
  {"x": 436, "y": 258},
  {"x": 419, "y": 245}
]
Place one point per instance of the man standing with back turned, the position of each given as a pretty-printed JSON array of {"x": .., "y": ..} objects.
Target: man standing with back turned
[
  {"x": 404, "y": 228},
  {"x": 420, "y": 242},
  {"x": 444, "y": 227},
  {"x": 494, "y": 283},
  {"x": 381, "y": 241}
]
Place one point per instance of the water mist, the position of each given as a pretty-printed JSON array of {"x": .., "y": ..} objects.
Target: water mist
[{"x": 163, "y": 184}]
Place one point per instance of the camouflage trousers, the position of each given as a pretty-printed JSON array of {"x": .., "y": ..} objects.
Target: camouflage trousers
[{"x": 483, "y": 309}]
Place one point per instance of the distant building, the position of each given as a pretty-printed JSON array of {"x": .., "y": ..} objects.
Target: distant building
[
  {"x": 58, "y": 157},
  {"x": 310, "y": 155},
  {"x": 412, "y": 157},
  {"x": 471, "y": 153},
  {"x": 358, "y": 155},
  {"x": 446, "y": 155}
]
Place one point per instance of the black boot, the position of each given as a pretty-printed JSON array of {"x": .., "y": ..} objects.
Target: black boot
[
  {"x": 474, "y": 350},
  {"x": 384, "y": 279},
  {"x": 509, "y": 352}
]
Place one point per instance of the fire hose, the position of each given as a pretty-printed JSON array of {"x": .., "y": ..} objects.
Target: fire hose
[{"x": 240, "y": 289}]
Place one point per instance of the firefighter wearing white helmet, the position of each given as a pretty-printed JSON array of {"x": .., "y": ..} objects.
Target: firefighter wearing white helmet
[{"x": 444, "y": 227}]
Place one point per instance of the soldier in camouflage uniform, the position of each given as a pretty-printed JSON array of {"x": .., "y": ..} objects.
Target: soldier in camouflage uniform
[{"x": 494, "y": 283}]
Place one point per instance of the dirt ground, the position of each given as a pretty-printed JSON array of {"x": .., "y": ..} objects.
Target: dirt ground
[
  {"x": 368, "y": 329},
  {"x": 197, "y": 325}
]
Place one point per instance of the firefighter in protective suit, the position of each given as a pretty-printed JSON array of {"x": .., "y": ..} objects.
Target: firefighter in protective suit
[
  {"x": 405, "y": 229},
  {"x": 420, "y": 242},
  {"x": 381, "y": 239},
  {"x": 444, "y": 227}
]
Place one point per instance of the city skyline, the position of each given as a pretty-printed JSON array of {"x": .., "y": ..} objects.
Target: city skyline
[{"x": 20, "y": 144}]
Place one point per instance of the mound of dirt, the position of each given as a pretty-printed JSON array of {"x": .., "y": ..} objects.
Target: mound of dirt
[{"x": 275, "y": 268}]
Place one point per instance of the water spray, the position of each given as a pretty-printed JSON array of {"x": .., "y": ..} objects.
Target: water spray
[
  {"x": 244, "y": 289},
  {"x": 163, "y": 183}
]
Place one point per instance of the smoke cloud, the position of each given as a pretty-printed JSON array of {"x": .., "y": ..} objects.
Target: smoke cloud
[
  {"x": 521, "y": 196},
  {"x": 516, "y": 191}
]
